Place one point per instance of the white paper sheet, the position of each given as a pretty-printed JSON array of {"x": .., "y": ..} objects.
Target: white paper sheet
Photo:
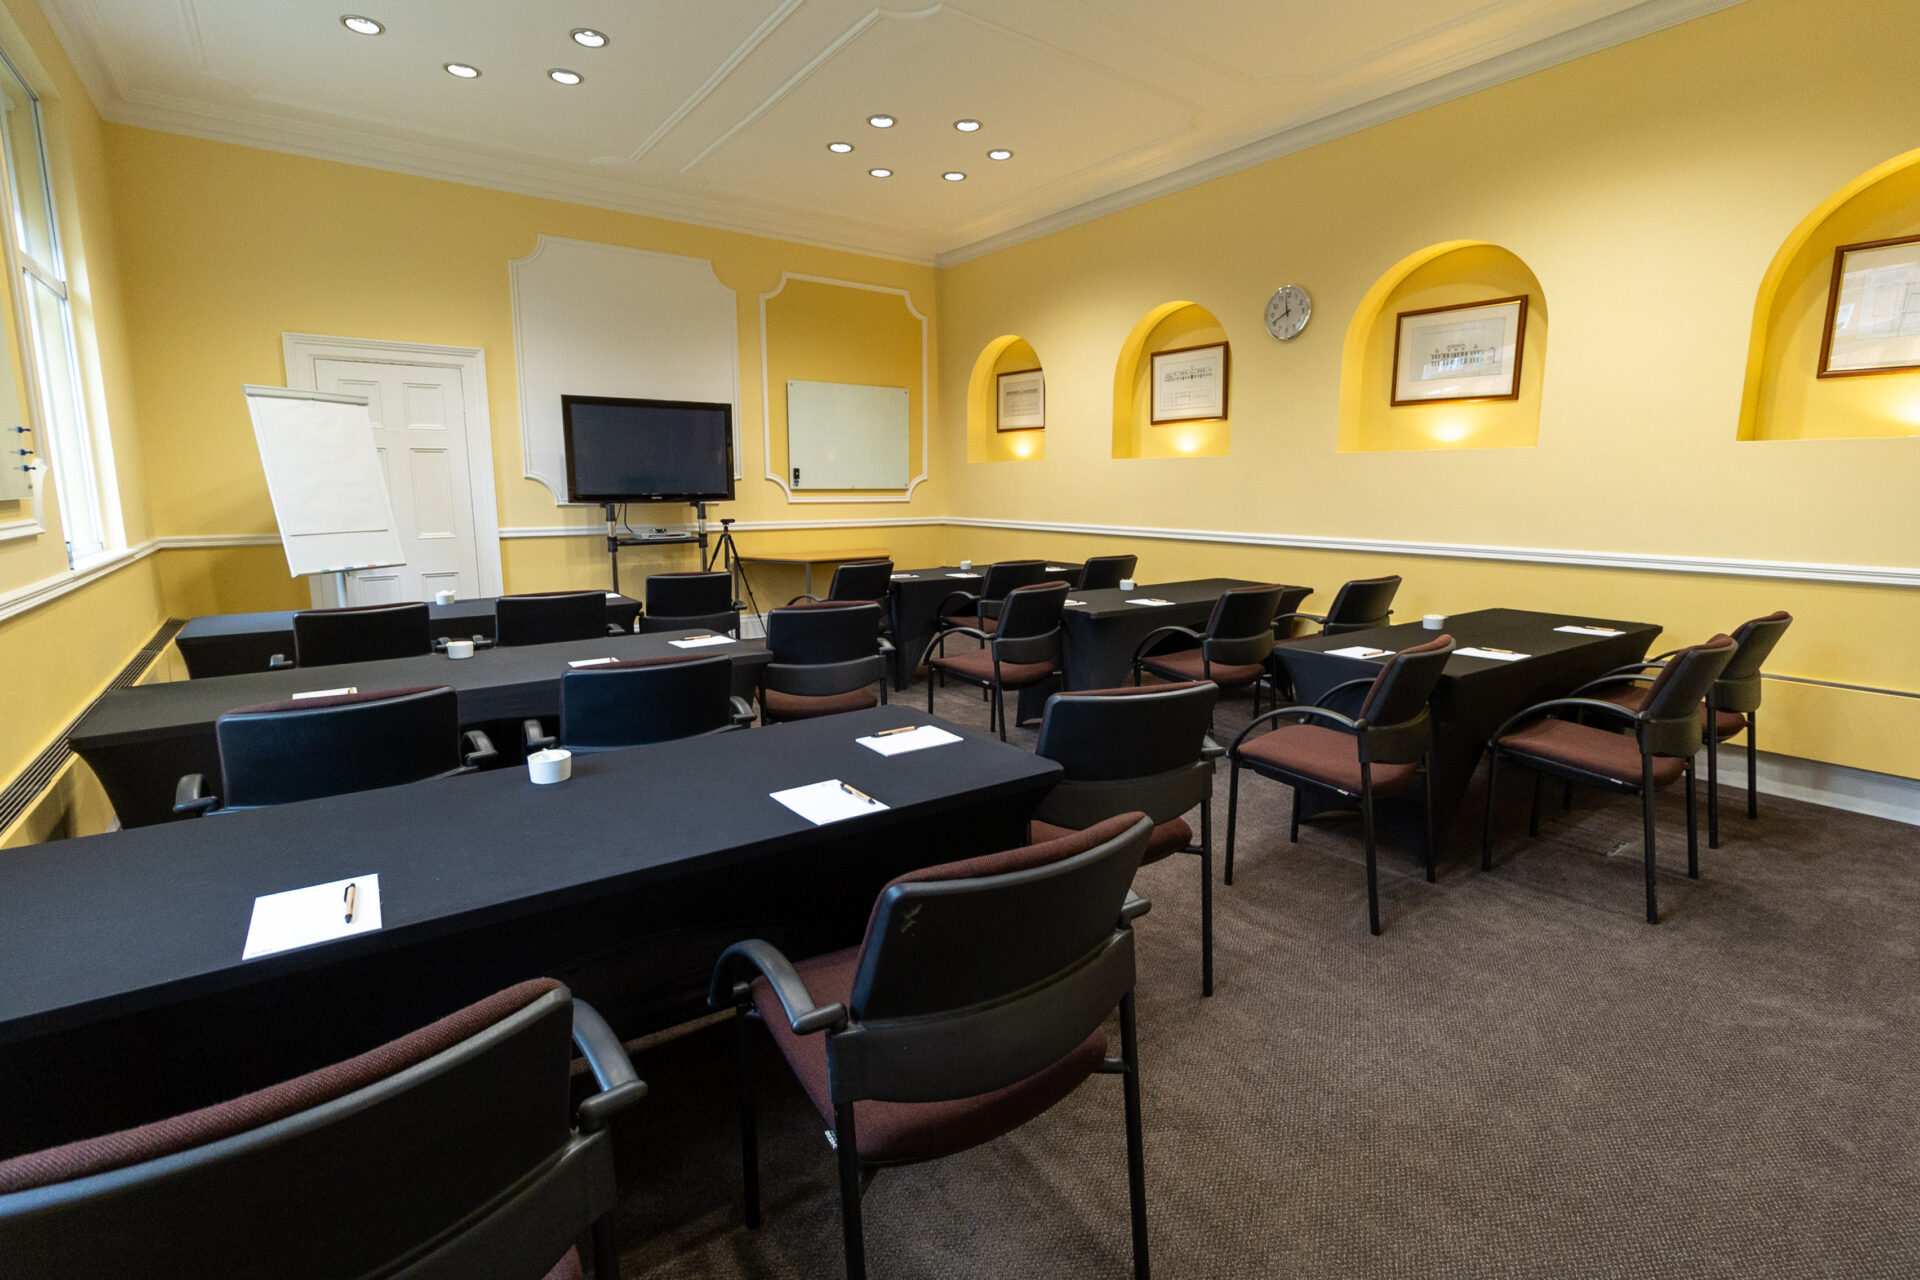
[
  {"x": 1359, "y": 651},
  {"x": 1076, "y": 602},
  {"x": 328, "y": 693},
  {"x": 592, "y": 662},
  {"x": 1494, "y": 655},
  {"x": 317, "y": 913},
  {"x": 824, "y": 802},
  {"x": 613, "y": 595},
  {"x": 700, "y": 642},
  {"x": 1574, "y": 629},
  {"x": 898, "y": 576},
  {"x": 1056, "y": 568},
  {"x": 963, "y": 575},
  {"x": 919, "y": 739},
  {"x": 1153, "y": 602}
]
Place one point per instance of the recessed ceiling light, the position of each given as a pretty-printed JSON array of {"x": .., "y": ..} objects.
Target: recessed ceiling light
[
  {"x": 967, "y": 126},
  {"x": 462, "y": 70},
  {"x": 954, "y": 175},
  {"x": 840, "y": 148},
  {"x": 560, "y": 75},
  {"x": 589, "y": 37},
  {"x": 361, "y": 26},
  {"x": 999, "y": 153},
  {"x": 881, "y": 173},
  {"x": 881, "y": 121}
]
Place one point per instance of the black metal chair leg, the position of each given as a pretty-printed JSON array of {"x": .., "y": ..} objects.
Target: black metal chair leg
[
  {"x": 1753, "y": 771},
  {"x": 1713, "y": 786},
  {"x": 1293, "y": 828},
  {"x": 1646, "y": 820},
  {"x": 846, "y": 1148},
  {"x": 1426, "y": 796},
  {"x": 1566, "y": 796},
  {"x": 1693, "y": 828},
  {"x": 1366, "y": 825},
  {"x": 1206, "y": 897},
  {"x": 1000, "y": 710},
  {"x": 1136, "y": 1144},
  {"x": 749, "y": 1119},
  {"x": 1533, "y": 818},
  {"x": 1486, "y": 830},
  {"x": 606, "y": 1249},
  {"x": 1233, "y": 813},
  {"x": 932, "y": 675}
]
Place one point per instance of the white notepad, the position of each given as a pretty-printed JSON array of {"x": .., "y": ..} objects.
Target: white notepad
[
  {"x": 592, "y": 662},
  {"x": 919, "y": 739},
  {"x": 1360, "y": 651},
  {"x": 1056, "y": 568},
  {"x": 328, "y": 693},
  {"x": 1490, "y": 654},
  {"x": 700, "y": 642},
  {"x": 824, "y": 802},
  {"x": 317, "y": 913},
  {"x": 897, "y": 576},
  {"x": 1076, "y": 602},
  {"x": 963, "y": 575},
  {"x": 1152, "y": 602},
  {"x": 613, "y": 595},
  {"x": 1575, "y": 629}
]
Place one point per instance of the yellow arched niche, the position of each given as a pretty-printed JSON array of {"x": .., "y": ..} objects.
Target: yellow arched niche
[
  {"x": 1167, "y": 327},
  {"x": 1005, "y": 354},
  {"x": 1456, "y": 271},
  {"x": 1784, "y": 398}
]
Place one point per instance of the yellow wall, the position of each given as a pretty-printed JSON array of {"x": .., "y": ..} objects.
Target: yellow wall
[
  {"x": 1647, "y": 187},
  {"x": 1008, "y": 353}
]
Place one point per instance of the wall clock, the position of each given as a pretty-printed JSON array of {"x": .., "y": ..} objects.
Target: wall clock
[{"x": 1288, "y": 312}]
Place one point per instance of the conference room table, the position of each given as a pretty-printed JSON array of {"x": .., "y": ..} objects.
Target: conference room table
[
  {"x": 142, "y": 740},
  {"x": 1104, "y": 627},
  {"x": 914, "y": 608},
  {"x": 1474, "y": 696},
  {"x": 126, "y": 995},
  {"x": 232, "y": 644}
]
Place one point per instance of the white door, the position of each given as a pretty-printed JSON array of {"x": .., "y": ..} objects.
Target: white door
[{"x": 420, "y": 431}]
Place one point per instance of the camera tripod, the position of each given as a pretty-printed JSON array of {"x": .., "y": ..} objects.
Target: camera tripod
[{"x": 727, "y": 555}]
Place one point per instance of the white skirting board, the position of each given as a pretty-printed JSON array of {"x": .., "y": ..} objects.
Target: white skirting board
[{"x": 1880, "y": 795}]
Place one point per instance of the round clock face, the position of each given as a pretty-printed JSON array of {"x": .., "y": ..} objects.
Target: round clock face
[{"x": 1288, "y": 312}]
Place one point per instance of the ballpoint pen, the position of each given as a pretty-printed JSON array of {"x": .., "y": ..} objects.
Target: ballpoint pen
[
  {"x": 348, "y": 897},
  {"x": 888, "y": 733},
  {"x": 857, "y": 793}
]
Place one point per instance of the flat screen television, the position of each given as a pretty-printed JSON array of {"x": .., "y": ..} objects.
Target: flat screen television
[{"x": 647, "y": 450}]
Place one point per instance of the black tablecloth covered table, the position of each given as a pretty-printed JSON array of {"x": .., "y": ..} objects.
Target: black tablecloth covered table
[
  {"x": 1103, "y": 629},
  {"x": 914, "y": 603}
]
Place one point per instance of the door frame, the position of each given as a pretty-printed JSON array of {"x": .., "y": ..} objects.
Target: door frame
[{"x": 302, "y": 350}]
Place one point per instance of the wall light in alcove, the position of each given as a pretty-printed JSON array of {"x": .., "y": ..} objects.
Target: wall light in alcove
[
  {"x": 1023, "y": 447},
  {"x": 1450, "y": 430},
  {"x": 1908, "y": 411}
]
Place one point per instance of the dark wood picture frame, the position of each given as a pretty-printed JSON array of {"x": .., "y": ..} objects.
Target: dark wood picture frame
[
  {"x": 1226, "y": 382},
  {"x": 1519, "y": 351},
  {"x": 998, "y": 378},
  {"x": 1840, "y": 253}
]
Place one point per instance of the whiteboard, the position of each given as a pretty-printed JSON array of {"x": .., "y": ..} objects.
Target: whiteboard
[
  {"x": 844, "y": 436},
  {"x": 324, "y": 475}
]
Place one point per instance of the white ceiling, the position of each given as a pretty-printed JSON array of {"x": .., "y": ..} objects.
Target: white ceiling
[{"x": 719, "y": 111}]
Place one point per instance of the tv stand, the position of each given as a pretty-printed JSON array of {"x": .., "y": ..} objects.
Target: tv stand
[{"x": 653, "y": 538}]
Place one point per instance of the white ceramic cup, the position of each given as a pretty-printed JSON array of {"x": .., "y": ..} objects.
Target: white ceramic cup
[
  {"x": 1433, "y": 621},
  {"x": 966, "y": 564},
  {"x": 445, "y": 597},
  {"x": 550, "y": 766},
  {"x": 459, "y": 648},
  {"x": 1126, "y": 584}
]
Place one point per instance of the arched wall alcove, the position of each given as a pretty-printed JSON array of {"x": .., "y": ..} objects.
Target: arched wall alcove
[
  {"x": 1785, "y": 398},
  {"x": 1009, "y": 353},
  {"x": 1452, "y": 273},
  {"x": 1168, "y": 327}
]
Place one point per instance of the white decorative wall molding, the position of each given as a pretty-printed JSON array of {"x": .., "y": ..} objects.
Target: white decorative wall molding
[
  {"x": 23, "y": 599},
  {"x": 594, "y": 319},
  {"x": 1833, "y": 786},
  {"x": 766, "y": 402},
  {"x": 739, "y": 526}
]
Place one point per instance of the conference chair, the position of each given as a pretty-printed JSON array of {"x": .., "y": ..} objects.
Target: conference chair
[
  {"x": 1101, "y": 573},
  {"x": 363, "y": 633},
  {"x": 689, "y": 602},
  {"x": 1731, "y": 706},
  {"x": 826, "y": 660},
  {"x": 857, "y": 580},
  {"x": 1376, "y": 752},
  {"x": 305, "y": 748},
  {"x": 551, "y": 617},
  {"x": 975, "y": 1002},
  {"x": 1234, "y": 650},
  {"x": 1023, "y": 651},
  {"x": 981, "y": 611},
  {"x": 1656, "y": 750},
  {"x": 1136, "y": 749},
  {"x": 452, "y": 1151},
  {"x": 643, "y": 700},
  {"x": 1358, "y": 605}
]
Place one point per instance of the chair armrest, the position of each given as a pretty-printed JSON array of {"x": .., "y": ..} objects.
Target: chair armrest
[
  {"x": 187, "y": 797},
  {"x": 1134, "y": 907},
  {"x": 479, "y": 748},
  {"x": 732, "y": 982},
  {"x": 536, "y": 735},
  {"x": 483, "y": 642},
  {"x": 620, "y": 1085},
  {"x": 1279, "y": 618},
  {"x": 615, "y": 629},
  {"x": 1364, "y": 682},
  {"x": 1621, "y": 676},
  {"x": 1542, "y": 708},
  {"x": 742, "y": 711},
  {"x": 964, "y": 597},
  {"x": 886, "y": 647},
  {"x": 804, "y": 596},
  {"x": 1312, "y": 713},
  {"x": 1147, "y": 640},
  {"x": 279, "y": 662},
  {"x": 1211, "y": 750}
]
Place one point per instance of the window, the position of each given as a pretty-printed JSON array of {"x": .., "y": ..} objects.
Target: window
[{"x": 46, "y": 320}]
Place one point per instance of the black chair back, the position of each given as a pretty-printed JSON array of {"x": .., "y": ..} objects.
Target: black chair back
[
  {"x": 978, "y": 974},
  {"x": 1103, "y": 572},
  {"x": 1136, "y": 747},
  {"x": 1395, "y": 708},
  {"x": 686, "y": 601},
  {"x": 1030, "y": 623},
  {"x": 449, "y": 1152},
  {"x": 1738, "y": 688},
  {"x": 642, "y": 700},
  {"x": 549, "y": 617},
  {"x": 1670, "y": 717},
  {"x": 1241, "y": 628},
  {"x": 825, "y": 649},
  {"x": 1362, "y": 603},
  {"x": 368, "y": 633},
  {"x": 1290, "y": 601},
  {"x": 862, "y": 580},
  {"x": 310, "y": 747},
  {"x": 1008, "y": 576}
]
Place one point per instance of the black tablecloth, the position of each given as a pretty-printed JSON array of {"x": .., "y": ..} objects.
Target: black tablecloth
[
  {"x": 141, "y": 741},
  {"x": 232, "y": 644},
  {"x": 914, "y": 608},
  {"x": 1103, "y": 629},
  {"x": 1474, "y": 694},
  {"x": 122, "y": 951}
]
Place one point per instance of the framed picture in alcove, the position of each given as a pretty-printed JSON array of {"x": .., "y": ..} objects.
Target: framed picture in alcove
[
  {"x": 1873, "y": 309},
  {"x": 1190, "y": 384},
  {"x": 1469, "y": 351},
  {"x": 1022, "y": 399}
]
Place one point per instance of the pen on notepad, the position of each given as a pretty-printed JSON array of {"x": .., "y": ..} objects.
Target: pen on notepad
[
  {"x": 348, "y": 897},
  {"x": 857, "y": 793},
  {"x": 888, "y": 733},
  {"x": 1487, "y": 648}
]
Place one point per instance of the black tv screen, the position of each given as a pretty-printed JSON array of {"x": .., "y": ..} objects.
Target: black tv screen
[{"x": 647, "y": 450}]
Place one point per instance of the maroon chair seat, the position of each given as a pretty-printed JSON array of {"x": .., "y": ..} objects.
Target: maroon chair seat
[
  {"x": 777, "y": 705},
  {"x": 894, "y": 1133},
  {"x": 826, "y": 660},
  {"x": 1326, "y": 756},
  {"x": 1022, "y": 650},
  {"x": 977, "y": 665},
  {"x": 1604, "y": 753},
  {"x": 1188, "y": 664},
  {"x": 1168, "y": 838},
  {"x": 986, "y": 622}
]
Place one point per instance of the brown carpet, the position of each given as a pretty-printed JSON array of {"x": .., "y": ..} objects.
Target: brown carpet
[{"x": 1519, "y": 1078}]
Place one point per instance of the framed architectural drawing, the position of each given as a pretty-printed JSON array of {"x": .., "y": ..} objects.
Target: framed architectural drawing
[
  {"x": 1873, "y": 309},
  {"x": 1022, "y": 397},
  {"x": 1190, "y": 384},
  {"x": 1469, "y": 351}
]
